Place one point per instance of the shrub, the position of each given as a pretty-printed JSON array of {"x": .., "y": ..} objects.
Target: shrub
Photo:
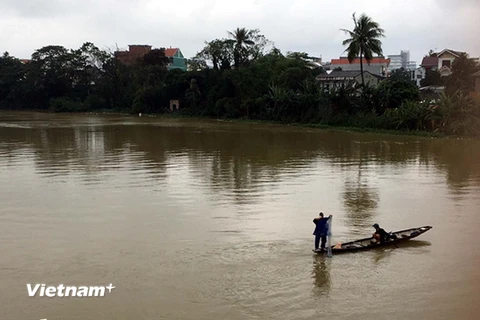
[{"x": 66, "y": 104}]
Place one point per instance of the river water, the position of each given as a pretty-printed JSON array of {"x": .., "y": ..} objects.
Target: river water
[{"x": 203, "y": 219}]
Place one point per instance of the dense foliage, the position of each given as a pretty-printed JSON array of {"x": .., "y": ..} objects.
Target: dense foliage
[{"x": 248, "y": 80}]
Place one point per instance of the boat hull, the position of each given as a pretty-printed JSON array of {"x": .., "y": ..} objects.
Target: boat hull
[{"x": 368, "y": 243}]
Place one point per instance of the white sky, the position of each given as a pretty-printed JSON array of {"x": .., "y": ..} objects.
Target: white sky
[{"x": 311, "y": 26}]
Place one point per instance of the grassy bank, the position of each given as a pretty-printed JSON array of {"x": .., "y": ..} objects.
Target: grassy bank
[
  {"x": 176, "y": 115},
  {"x": 350, "y": 129}
]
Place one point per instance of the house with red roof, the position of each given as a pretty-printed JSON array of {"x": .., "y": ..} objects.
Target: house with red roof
[
  {"x": 441, "y": 61},
  {"x": 377, "y": 66},
  {"x": 178, "y": 60},
  {"x": 430, "y": 63}
]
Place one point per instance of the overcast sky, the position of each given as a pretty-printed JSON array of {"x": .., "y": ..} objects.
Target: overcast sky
[{"x": 311, "y": 26}]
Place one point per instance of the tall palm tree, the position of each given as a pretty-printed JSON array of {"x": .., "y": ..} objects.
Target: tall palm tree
[
  {"x": 364, "y": 40},
  {"x": 241, "y": 38}
]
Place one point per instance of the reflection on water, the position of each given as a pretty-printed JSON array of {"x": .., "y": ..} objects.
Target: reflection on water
[
  {"x": 381, "y": 254},
  {"x": 196, "y": 219},
  {"x": 360, "y": 200},
  {"x": 321, "y": 275},
  {"x": 230, "y": 157},
  {"x": 419, "y": 244}
]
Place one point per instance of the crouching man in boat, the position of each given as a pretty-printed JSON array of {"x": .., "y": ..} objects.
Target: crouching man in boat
[
  {"x": 381, "y": 235},
  {"x": 321, "y": 231}
]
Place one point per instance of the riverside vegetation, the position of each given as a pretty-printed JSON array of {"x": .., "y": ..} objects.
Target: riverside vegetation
[{"x": 250, "y": 79}]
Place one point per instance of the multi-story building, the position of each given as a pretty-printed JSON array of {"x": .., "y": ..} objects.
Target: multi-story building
[
  {"x": 395, "y": 62},
  {"x": 411, "y": 65},
  {"x": 401, "y": 60},
  {"x": 405, "y": 54}
]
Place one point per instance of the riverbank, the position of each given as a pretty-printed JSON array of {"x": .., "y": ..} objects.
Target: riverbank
[
  {"x": 179, "y": 115},
  {"x": 418, "y": 133},
  {"x": 351, "y": 129},
  {"x": 312, "y": 125}
]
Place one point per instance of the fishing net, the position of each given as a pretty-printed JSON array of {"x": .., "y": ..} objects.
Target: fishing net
[{"x": 329, "y": 237}]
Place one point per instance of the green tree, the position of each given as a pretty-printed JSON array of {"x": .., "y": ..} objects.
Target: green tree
[
  {"x": 196, "y": 64},
  {"x": 117, "y": 84},
  {"x": 461, "y": 78},
  {"x": 150, "y": 76},
  {"x": 176, "y": 83},
  {"x": 396, "y": 90},
  {"x": 247, "y": 45},
  {"x": 242, "y": 38},
  {"x": 87, "y": 65},
  {"x": 50, "y": 74},
  {"x": 156, "y": 57},
  {"x": 364, "y": 40},
  {"x": 297, "y": 55},
  {"x": 218, "y": 51},
  {"x": 432, "y": 78},
  {"x": 12, "y": 72},
  {"x": 93, "y": 56},
  {"x": 400, "y": 75}
]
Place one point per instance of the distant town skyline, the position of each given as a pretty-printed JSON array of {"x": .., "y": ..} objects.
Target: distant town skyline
[{"x": 306, "y": 26}]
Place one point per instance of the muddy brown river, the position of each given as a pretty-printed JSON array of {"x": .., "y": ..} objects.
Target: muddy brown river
[{"x": 203, "y": 219}]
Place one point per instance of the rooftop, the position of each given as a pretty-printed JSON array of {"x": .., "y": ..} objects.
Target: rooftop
[
  {"x": 454, "y": 52},
  {"x": 170, "y": 52},
  {"x": 344, "y": 60},
  {"x": 429, "y": 62}
]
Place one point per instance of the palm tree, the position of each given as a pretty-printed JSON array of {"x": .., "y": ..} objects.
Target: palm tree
[
  {"x": 241, "y": 38},
  {"x": 364, "y": 40}
]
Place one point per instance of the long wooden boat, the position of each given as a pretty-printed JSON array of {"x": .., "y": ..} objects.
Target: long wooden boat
[{"x": 369, "y": 243}]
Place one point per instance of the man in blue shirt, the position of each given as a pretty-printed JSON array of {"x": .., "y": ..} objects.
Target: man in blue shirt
[{"x": 321, "y": 231}]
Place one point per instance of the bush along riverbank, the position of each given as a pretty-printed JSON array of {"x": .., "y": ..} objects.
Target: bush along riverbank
[{"x": 250, "y": 79}]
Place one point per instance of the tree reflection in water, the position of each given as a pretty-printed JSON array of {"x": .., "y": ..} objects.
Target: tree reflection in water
[
  {"x": 237, "y": 158},
  {"x": 360, "y": 201}
]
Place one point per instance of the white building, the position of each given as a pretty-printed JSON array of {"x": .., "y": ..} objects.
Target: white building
[
  {"x": 412, "y": 65},
  {"x": 395, "y": 62},
  {"x": 401, "y": 60},
  {"x": 417, "y": 75}
]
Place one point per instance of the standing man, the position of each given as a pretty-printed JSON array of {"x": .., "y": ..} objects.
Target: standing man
[{"x": 321, "y": 230}]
